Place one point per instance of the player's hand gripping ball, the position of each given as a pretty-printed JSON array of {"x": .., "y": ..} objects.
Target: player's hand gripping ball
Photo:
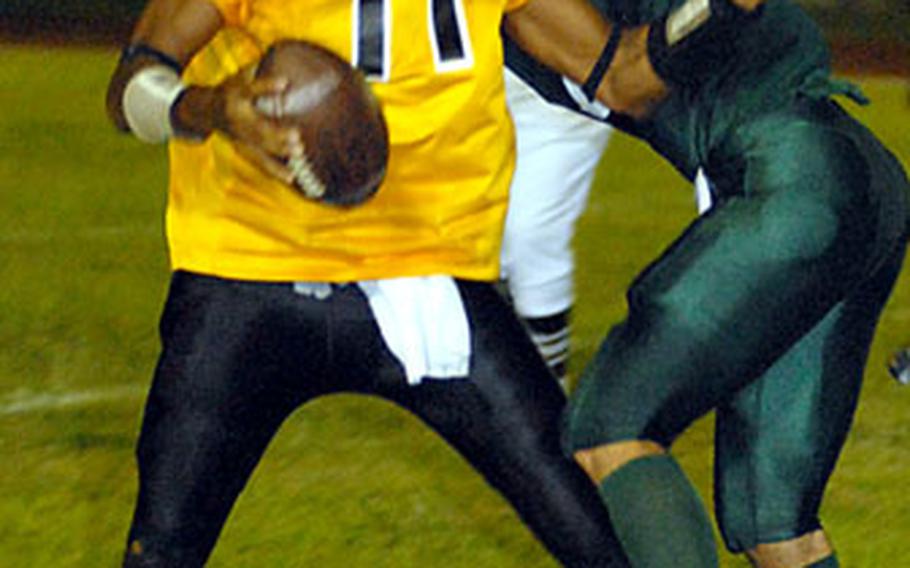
[{"x": 341, "y": 125}]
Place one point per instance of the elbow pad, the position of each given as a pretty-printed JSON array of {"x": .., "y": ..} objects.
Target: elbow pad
[{"x": 691, "y": 41}]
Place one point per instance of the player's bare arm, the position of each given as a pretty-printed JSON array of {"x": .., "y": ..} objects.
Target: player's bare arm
[
  {"x": 629, "y": 70},
  {"x": 569, "y": 36},
  {"x": 147, "y": 97}
]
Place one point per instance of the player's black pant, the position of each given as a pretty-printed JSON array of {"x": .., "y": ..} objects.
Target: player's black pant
[{"x": 239, "y": 357}]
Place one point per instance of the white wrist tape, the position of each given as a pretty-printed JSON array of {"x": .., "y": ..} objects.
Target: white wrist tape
[{"x": 147, "y": 102}]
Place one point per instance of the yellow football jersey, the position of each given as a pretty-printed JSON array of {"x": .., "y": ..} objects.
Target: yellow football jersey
[{"x": 436, "y": 67}]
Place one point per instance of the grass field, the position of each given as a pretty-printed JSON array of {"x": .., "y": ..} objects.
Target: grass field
[{"x": 348, "y": 482}]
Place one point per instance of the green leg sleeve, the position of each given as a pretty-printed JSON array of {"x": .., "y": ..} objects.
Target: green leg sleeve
[
  {"x": 658, "y": 516},
  {"x": 829, "y": 562}
]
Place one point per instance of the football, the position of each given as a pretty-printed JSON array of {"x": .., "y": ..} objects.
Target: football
[{"x": 341, "y": 125}]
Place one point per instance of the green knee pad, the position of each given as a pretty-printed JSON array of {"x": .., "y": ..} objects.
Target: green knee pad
[{"x": 658, "y": 515}]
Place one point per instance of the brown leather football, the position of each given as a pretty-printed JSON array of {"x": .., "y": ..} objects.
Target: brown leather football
[{"x": 339, "y": 119}]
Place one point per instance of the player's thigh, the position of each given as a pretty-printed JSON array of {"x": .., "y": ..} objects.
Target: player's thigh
[
  {"x": 557, "y": 153},
  {"x": 507, "y": 409},
  {"x": 778, "y": 439},
  {"x": 504, "y": 419},
  {"x": 741, "y": 285},
  {"x": 226, "y": 345},
  {"x": 509, "y": 392},
  {"x": 223, "y": 385},
  {"x": 803, "y": 219}
]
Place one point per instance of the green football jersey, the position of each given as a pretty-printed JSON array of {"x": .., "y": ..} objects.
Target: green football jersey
[{"x": 776, "y": 58}]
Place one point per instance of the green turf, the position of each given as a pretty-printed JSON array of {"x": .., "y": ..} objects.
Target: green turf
[{"x": 349, "y": 481}]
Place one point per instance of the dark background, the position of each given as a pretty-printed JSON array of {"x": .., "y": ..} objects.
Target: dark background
[{"x": 845, "y": 21}]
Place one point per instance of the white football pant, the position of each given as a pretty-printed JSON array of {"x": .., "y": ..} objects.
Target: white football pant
[{"x": 558, "y": 151}]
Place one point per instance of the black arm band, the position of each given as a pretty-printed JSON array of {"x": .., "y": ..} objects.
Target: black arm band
[
  {"x": 603, "y": 63},
  {"x": 136, "y": 50},
  {"x": 694, "y": 39}
]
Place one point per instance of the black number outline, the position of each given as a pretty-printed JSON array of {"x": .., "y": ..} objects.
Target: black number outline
[{"x": 447, "y": 26}]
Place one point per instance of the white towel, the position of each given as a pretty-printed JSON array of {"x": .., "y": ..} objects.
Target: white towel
[{"x": 423, "y": 322}]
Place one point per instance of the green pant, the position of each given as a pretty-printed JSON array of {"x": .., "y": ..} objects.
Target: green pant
[{"x": 764, "y": 309}]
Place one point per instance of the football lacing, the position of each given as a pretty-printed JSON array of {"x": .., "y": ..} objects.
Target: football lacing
[{"x": 305, "y": 177}]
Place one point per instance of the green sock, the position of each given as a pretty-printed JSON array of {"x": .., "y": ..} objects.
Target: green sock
[
  {"x": 828, "y": 562},
  {"x": 658, "y": 515}
]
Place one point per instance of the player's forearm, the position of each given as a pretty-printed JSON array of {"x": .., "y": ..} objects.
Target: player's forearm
[
  {"x": 170, "y": 33},
  {"x": 147, "y": 97},
  {"x": 633, "y": 70}
]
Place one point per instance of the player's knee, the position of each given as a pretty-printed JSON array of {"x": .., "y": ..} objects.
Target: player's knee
[
  {"x": 588, "y": 422},
  {"x": 601, "y": 437},
  {"x": 605, "y": 406}
]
